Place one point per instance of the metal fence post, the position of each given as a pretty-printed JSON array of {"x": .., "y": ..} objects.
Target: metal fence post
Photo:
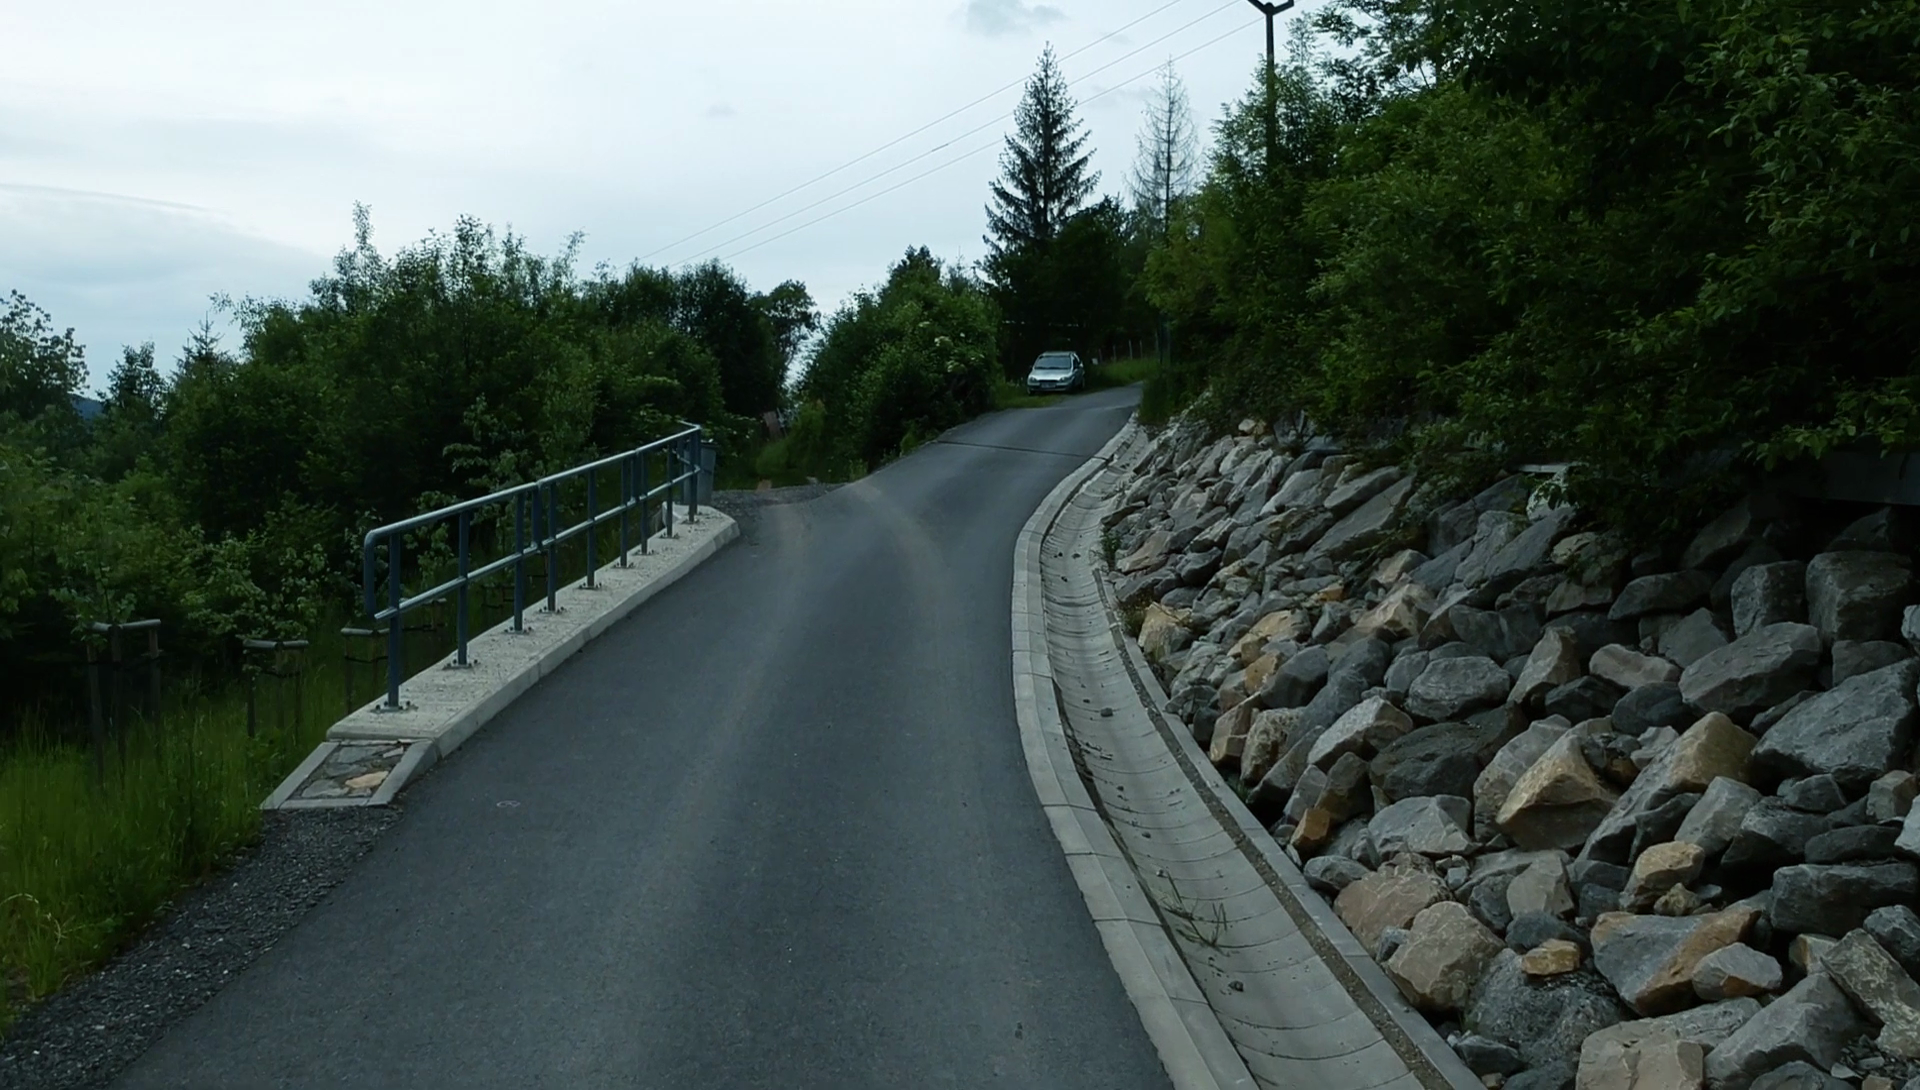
[
  {"x": 646, "y": 508},
  {"x": 460, "y": 604},
  {"x": 519, "y": 560},
  {"x": 396, "y": 624},
  {"x": 96, "y": 717},
  {"x": 626, "y": 503},
  {"x": 593, "y": 526},
  {"x": 552, "y": 540}
]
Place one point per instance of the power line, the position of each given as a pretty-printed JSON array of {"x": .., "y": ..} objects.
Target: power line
[
  {"x": 963, "y": 158},
  {"x": 862, "y": 184},
  {"x": 849, "y": 164}
]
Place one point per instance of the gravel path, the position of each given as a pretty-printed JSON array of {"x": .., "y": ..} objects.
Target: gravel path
[{"x": 83, "y": 1036}]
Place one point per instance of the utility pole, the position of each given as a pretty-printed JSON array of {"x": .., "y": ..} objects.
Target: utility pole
[{"x": 1271, "y": 11}]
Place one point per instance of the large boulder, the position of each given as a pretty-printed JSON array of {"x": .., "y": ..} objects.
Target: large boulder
[
  {"x": 1650, "y": 960},
  {"x": 1546, "y": 1019},
  {"x": 1854, "y": 733},
  {"x": 1298, "y": 679},
  {"x": 1754, "y": 672},
  {"x": 1651, "y": 706},
  {"x": 1671, "y": 592},
  {"x": 1452, "y": 688},
  {"x": 1363, "y": 730},
  {"x": 1445, "y": 952},
  {"x": 1858, "y": 595},
  {"x": 1354, "y": 489},
  {"x": 1897, "y": 929},
  {"x": 1554, "y": 661},
  {"x": 1385, "y": 899},
  {"x": 1495, "y": 782},
  {"x": 1163, "y": 632},
  {"x": 1648, "y": 1060},
  {"x": 1734, "y": 971},
  {"x": 1557, "y": 802},
  {"x": 1151, "y": 553},
  {"x": 1836, "y": 898},
  {"x": 1852, "y": 658},
  {"x": 1540, "y": 889},
  {"x": 1713, "y": 822},
  {"x": 1443, "y": 759},
  {"x": 1811, "y": 1023},
  {"x": 1400, "y": 615},
  {"x": 1500, "y": 634},
  {"x": 1658, "y": 870},
  {"x": 1266, "y": 740},
  {"x": 1879, "y": 986},
  {"x": 1692, "y": 638},
  {"x": 1769, "y": 594},
  {"x": 1772, "y": 834},
  {"x": 1430, "y": 825},
  {"x": 1630, "y": 669},
  {"x": 1366, "y": 526}
]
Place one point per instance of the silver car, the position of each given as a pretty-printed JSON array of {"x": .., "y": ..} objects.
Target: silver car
[{"x": 1057, "y": 372}]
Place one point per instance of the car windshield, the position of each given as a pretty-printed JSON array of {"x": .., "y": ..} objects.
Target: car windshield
[{"x": 1053, "y": 363}]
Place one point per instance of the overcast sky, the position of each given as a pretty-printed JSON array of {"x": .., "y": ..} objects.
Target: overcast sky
[{"x": 152, "y": 155}]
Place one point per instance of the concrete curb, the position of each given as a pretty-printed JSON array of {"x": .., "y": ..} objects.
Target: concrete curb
[
  {"x": 1185, "y": 1031},
  {"x": 455, "y": 704},
  {"x": 1418, "y": 1032}
]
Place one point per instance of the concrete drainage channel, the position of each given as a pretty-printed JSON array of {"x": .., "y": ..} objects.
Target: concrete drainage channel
[
  {"x": 1242, "y": 976},
  {"x": 372, "y": 754}
]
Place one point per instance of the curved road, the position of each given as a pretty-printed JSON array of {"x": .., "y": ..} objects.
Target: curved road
[{"x": 774, "y": 830}]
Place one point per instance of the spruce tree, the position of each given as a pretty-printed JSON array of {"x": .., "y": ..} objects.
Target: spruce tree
[{"x": 1044, "y": 168}]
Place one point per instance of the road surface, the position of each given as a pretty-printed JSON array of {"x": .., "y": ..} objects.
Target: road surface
[{"x": 774, "y": 830}]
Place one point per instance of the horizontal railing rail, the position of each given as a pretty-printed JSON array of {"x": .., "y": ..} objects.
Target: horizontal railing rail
[{"x": 538, "y": 531}]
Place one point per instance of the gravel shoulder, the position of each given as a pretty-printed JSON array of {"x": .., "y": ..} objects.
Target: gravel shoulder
[{"x": 83, "y": 1036}]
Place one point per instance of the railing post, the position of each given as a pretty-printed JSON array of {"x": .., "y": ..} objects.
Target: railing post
[
  {"x": 460, "y": 606},
  {"x": 593, "y": 526},
  {"x": 626, "y": 503},
  {"x": 396, "y": 623},
  {"x": 646, "y": 507},
  {"x": 694, "y": 468},
  {"x": 552, "y": 540},
  {"x": 673, "y": 478},
  {"x": 519, "y": 560}
]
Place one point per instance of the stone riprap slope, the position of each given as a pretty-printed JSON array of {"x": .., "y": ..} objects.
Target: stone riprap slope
[{"x": 1611, "y": 818}]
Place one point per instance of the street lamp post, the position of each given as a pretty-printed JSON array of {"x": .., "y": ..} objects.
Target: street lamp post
[{"x": 1271, "y": 11}]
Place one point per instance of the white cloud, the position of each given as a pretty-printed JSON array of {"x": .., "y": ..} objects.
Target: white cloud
[{"x": 997, "y": 18}]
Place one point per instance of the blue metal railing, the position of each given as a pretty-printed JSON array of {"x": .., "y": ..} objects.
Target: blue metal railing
[{"x": 537, "y": 531}]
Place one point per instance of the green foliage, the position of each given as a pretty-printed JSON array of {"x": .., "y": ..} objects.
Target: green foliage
[
  {"x": 1669, "y": 244},
  {"x": 896, "y": 367}
]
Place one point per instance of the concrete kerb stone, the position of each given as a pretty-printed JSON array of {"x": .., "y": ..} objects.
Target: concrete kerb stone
[
  {"x": 1295, "y": 918},
  {"x": 1194, "y": 1049},
  {"x": 463, "y": 701}
]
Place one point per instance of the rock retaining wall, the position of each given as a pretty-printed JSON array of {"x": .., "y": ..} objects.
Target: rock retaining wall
[{"x": 1612, "y": 818}]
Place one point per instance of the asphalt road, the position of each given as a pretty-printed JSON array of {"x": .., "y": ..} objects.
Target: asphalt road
[{"x": 774, "y": 830}]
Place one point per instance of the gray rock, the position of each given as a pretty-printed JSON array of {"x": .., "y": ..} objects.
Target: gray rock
[
  {"x": 1438, "y": 573},
  {"x": 1890, "y": 529},
  {"x": 1858, "y": 595},
  {"x": 1366, "y": 526},
  {"x": 1530, "y": 552},
  {"x": 1721, "y": 539},
  {"x": 1799, "y": 1076},
  {"x": 1811, "y": 1023},
  {"x": 1649, "y": 706},
  {"x": 1650, "y": 959},
  {"x": 1332, "y": 873},
  {"x": 1854, "y": 733},
  {"x": 1732, "y": 972},
  {"x": 1890, "y": 797},
  {"x": 1835, "y": 899},
  {"x": 1696, "y": 636},
  {"x": 1756, "y": 554},
  {"x": 1488, "y": 900},
  {"x": 1853, "y": 844},
  {"x": 1433, "y": 826},
  {"x": 1401, "y": 675},
  {"x": 1491, "y": 787},
  {"x": 1754, "y": 672},
  {"x": 1772, "y": 834},
  {"x": 1910, "y": 627},
  {"x": 1528, "y": 930},
  {"x": 1556, "y": 1075},
  {"x": 1897, "y": 929},
  {"x": 1673, "y": 592},
  {"x": 1715, "y": 819},
  {"x": 1500, "y": 635},
  {"x": 1878, "y": 985},
  {"x": 1359, "y": 669},
  {"x": 1660, "y": 824},
  {"x": 1196, "y": 568},
  {"x": 1297, "y": 680},
  {"x": 1851, "y": 658},
  {"x": 1820, "y": 794},
  {"x": 1764, "y": 722},
  {"x": 1547, "y": 1020},
  {"x": 1356, "y": 490},
  {"x": 1486, "y": 1056},
  {"x": 1769, "y": 594},
  {"x": 1452, "y": 688},
  {"x": 1541, "y": 888},
  {"x": 1583, "y": 699},
  {"x": 1492, "y": 532},
  {"x": 1443, "y": 759}
]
